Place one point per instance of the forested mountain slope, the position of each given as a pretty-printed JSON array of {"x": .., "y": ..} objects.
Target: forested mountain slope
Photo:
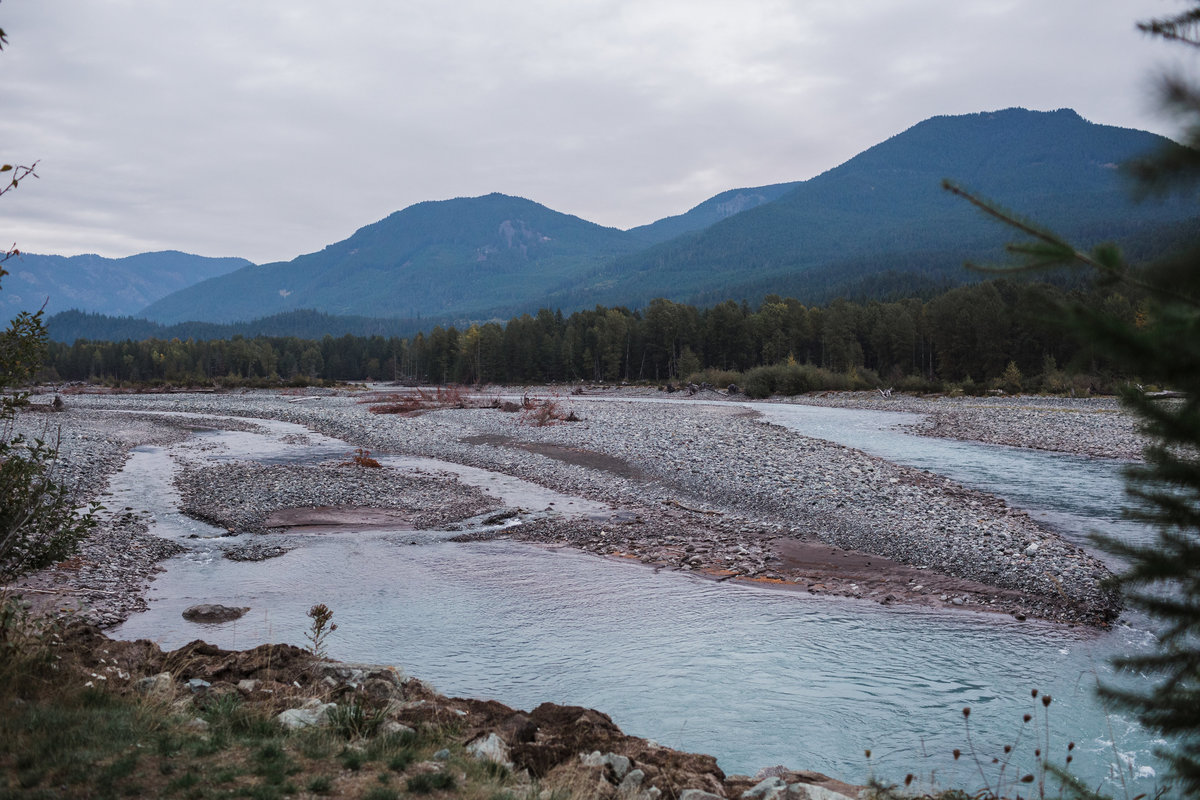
[
  {"x": 466, "y": 256},
  {"x": 885, "y": 211}
]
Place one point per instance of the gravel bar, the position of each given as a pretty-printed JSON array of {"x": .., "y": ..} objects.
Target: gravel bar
[
  {"x": 707, "y": 489},
  {"x": 1097, "y": 427}
]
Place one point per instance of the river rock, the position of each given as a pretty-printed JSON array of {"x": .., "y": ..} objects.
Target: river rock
[
  {"x": 490, "y": 748},
  {"x": 771, "y": 788},
  {"x": 393, "y": 728},
  {"x": 698, "y": 794},
  {"x": 196, "y": 724},
  {"x": 631, "y": 787},
  {"x": 160, "y": 685},
  {"x": 312, "y": 712},
  {"x": 211, "y": 613},
  {"x": 620, "y": 764},
  {"x": 808, "y": 791}
]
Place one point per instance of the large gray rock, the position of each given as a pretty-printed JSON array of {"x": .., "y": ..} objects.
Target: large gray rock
[
  {"x": 210, "y": 613},
  {"x": 312, "y": 712},
  {"x": 698, "y": 794},
  {"x": 393, "y": 728},
  {"x": 772, "y": 788},
  {"x": 161, "y": 685},
  {"x": 808, "y": 791},
  {"x": 631, "y": 787},
  {"x": 377, "y": 682},
  {"x": 620, "y": 764},
  {"x": 490, "y": 748}
]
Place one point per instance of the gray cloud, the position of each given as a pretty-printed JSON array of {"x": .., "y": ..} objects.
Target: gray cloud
[{"x": 272, "y": 128}]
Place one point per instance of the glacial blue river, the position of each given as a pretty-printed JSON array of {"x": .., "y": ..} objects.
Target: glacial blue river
[{"x": 753, "y": 676}]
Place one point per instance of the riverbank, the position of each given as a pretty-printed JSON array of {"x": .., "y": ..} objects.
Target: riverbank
[
  {"x": 704, "y": 489},
  {"x": 120, "y": 718}
]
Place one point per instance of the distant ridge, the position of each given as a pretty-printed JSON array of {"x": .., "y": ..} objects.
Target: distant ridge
[
  {"x": 713, "y": 210},
  {"x": 878, "y": 225},
  {"x": 438, "y": 258},
  {"x": 885, "y": 210},
  {"x": 109, "y": 285}
]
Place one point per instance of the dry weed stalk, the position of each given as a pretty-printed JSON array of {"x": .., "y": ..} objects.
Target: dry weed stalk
[
  {"x": 320, "y": 629},
  {"x": 541, "y": 413},
  {"x": 361, "y": 458},
  {"x": 416, "y": 400}
]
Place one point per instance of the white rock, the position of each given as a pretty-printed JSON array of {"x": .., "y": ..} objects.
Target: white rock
[
  {"x": 698, "y": 794},
  {"x": 312, "y": 712},
  {"x": 394, "y": 728},
  {"x": 770, "y": 788},
  {"x": 490, "y": 748},
  {"x": 620, "y": 764},
  {"x": 160, "y": 685},
  {"x": 807, "y": 791}
]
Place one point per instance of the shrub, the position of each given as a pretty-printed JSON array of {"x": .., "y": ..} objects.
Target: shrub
[
  {"x": 1011, "y": 380},
  {"x": 720, "y": 378},
  {"x": 761, "y": 382}
]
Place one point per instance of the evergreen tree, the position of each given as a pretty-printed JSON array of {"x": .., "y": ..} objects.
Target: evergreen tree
[{"x": 1162, "y": 346}]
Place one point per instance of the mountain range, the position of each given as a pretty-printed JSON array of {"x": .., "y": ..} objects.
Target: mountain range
[
  {"x": 110, "y": 285},
  {"x": 879, "y": 220}
]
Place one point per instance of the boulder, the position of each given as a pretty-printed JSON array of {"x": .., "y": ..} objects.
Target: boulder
[
  {"x": 393, "y": 728},
  {"x": 698, "y": 794},
  {"x": 210, "y": 613},
  {"x": 808, "y": 791},
  {"x": 631, "y": 787},
  {"x": 312, "y": 712},
  {"x": 490, "y": 748},
  {"x": 771, "y": 788},
  {"x": 620, "y": 764},
  {"x": 161, "y": 685}
]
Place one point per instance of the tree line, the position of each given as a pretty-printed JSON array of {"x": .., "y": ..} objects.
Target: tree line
[{"x": 973, "y": 335}]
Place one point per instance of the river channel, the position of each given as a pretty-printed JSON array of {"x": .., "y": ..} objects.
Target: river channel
[{"x": 753, "y": 676}]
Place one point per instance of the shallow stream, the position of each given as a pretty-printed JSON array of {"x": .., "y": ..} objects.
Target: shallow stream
[{"x": 753, "y": 676}]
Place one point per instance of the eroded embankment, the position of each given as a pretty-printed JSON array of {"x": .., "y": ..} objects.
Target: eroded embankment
[{"x": 551, "y": 750}]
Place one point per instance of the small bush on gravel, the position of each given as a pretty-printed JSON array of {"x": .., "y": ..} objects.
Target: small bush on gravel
[{"x": 38, "y": 521}]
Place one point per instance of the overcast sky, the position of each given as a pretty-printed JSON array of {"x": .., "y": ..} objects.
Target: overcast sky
[{"x": 270, "y": 128}]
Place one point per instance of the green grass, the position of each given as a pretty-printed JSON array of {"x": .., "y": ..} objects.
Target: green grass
[
  {"x": 60, "y": 742},
  {"x": 429, "y": 781}
]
